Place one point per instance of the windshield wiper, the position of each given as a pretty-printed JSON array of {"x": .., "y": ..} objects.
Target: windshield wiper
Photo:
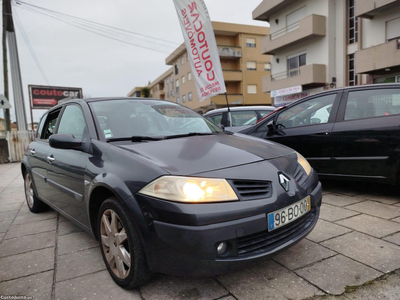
[
  {"x": 135, "y": 138},
  {"x": 188, "y": 134}
]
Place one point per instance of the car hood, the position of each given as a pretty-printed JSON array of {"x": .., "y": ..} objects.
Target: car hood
[{"x": 196, "y": 154}]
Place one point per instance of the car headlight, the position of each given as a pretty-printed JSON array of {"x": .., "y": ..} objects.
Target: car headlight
[
  {"x": 304, "y": 163},
  {"x": 190, "y": 189}
]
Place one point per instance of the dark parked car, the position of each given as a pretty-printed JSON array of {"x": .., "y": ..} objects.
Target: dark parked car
[
  {"x": 349, "y": 133},
  {"x": 242, "y": 116},
  {"x": 165, "y": 190}
]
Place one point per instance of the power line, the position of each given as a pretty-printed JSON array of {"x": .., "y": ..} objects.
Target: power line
[{"x": 28, "y": 44}]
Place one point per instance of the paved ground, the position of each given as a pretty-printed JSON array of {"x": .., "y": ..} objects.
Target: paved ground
[{"x": 355, "y": 243}]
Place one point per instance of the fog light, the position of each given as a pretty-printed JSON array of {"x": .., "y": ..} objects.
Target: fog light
[{"x": 222, "y": 247}]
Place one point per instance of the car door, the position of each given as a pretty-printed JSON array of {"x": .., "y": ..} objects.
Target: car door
[
  {"x": 367, "y": 134},
  {"x": 37, "y": 153},
  {"x": 67, "y": 167},
  {"x": 306, "y": 127}
]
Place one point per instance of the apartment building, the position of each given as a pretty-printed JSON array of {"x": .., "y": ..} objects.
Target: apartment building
[
  {"x": 136, "y": 92},
  {"x": 242, "y": 63},
  {"x": 317, "y": 45}
]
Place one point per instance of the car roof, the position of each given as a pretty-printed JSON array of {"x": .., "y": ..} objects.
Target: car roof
[{"x": 236, "y": 108}]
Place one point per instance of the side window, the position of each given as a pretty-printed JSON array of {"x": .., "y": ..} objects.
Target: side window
[
  {"x": 240, "y": 118},
  {"x": 72, "y": 122},
  {"x": 372, "y": 103},
  {"x": 216, "y": 119},
  {"x": 50, "y": 125},
  {"x": 313, "y": 111},
  {"x": 40, "y": 127}
]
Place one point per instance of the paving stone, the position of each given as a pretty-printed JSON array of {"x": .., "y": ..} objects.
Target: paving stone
[
  {"x": 93, "y": 286},
  {"x": 325, "y": 230},
  {"x": 302, "y": 254},
  {"x": 373, "y": 252},
  {"x": 75, "y": 242},
  {"x": 11, "y": 200},
  {"x": 340, "y": 200},
  {"x": 227, "y": 298},
  {"x": 31, "y": 228},
  {"x": 333, "y": 213},
  {"x": 79, "y": 263},
  {"x": 27, "y": 243},
  {"x": 25, "y": 264},
  {"x": 1, "y": 236},
  {"x": 370, "y": 225},
  {"x": 376, "y": 209},
  {"x": 37, "y": 286},
  {"x": 4, "y": 226},
  {"x": 248, "y": 285},
  {"x": 396, "y": 220},
  {"x": 9, "y": 207},
  {"x": 395, "y": 238},
  {"x": 388, "y": 197},
  {"x": 172, "y": 287},
  {"x": 67, "y": 227},
  {"x": 29, "y": 217},
  {"x": 334, "y": 274},
  {"x": 268, "y": 269}
]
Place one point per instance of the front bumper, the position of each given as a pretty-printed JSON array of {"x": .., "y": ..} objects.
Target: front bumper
[{"x": 181, "y": 249}]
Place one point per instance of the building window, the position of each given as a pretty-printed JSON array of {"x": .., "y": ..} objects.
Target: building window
[
  {"x": 251, "y": 65},
  {"x": 250, "y": 42},
  {"x": 183, "y": 79},
  {"x": 294, "y": 64},
  {"x": 352, "y": 73},
  {"x": 189, "y": 76},
  {"x": 393, "y": 30},
  {"x": 183, "y": 98},
  {"x": 176, "y": 69},
  {"x": 353, "y": 23},
  {"x": 182, "y": 59},
  {"x": 267, "y": 66},
  {"x": 177, "y": 100},
  {"x": 252, "y": 89},
  {"x": 177, "y": 83},
  {"x": 190, "y": 96}
]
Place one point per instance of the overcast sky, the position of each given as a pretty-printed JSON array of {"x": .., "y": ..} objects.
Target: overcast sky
[{"x": 71, "y": 56}]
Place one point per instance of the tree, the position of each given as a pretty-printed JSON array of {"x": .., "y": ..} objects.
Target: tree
[{"x": 145, "y": 92}]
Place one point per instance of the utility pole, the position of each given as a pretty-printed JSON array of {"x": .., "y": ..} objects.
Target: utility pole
[
  {"x": 7, "y": 119},
  {"x": 19, "y": 104}
]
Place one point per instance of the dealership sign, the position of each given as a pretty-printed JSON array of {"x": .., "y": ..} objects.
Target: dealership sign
[
  {"x": 287, "y": 91},
  {"x": 48, "y": 96}
]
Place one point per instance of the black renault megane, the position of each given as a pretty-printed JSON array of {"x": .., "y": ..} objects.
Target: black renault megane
[{"x": 165, "y": 190}]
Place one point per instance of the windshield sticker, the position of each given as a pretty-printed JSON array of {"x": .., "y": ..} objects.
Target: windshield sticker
[{"x": 108, "y": 134}]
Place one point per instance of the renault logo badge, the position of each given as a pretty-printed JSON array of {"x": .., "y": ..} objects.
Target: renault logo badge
[{"x": 284, "y": 181}]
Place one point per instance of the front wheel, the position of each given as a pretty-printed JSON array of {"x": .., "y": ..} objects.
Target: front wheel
[
  {"x": 34, "y": 204},
  {"x": 121, "y": 246}
]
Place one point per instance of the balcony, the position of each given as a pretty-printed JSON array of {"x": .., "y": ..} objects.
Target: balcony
[
  {"x": 232, "y": 98},
  {"x": 307, "y": 28},
  {"x": 232, "y": 75},
  {"x": 313, "y": 75},
  {"x": 376, "y": 59},
  {"x": 368, "y": 8},
  {"x": 229, "y": 52},
  {"x": 266, "y": 8}
]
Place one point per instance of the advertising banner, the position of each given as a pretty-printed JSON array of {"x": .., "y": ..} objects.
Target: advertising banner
[
  {"x": 201, "y": 47},
  {"x": 43, "y": 97}
]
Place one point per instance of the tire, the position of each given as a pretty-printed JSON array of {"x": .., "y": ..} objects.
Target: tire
[
  {"x": 123, "y": 254},
  {"x": 35, "y": 205}
]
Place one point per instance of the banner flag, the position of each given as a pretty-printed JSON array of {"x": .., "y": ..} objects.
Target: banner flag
[{"x": 201, "y": 47}]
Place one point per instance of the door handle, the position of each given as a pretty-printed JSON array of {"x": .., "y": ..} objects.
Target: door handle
[
  {"x": 50, "y": 159},
  {"x": 323, "y": 132},
  {"x": 32, "y": 151}
]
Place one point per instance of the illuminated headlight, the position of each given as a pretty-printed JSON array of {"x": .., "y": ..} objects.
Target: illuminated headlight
[
  {"x": 304, "y": 163},
  {"x": 190, "y": 189}
]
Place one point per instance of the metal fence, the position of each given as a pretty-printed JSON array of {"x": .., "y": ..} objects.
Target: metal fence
[{"x": 17, "y": 142}]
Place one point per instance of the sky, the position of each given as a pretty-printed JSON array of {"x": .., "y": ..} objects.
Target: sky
[{"x": 72, "y": 57}]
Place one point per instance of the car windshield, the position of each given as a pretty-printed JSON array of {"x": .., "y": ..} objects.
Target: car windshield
[{"x": 127, "y": 118}]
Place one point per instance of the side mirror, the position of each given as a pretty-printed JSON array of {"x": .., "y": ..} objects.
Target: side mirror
[
  {"x": 222, "y": 127},
  {"x": 273, "y": 128},
  {"x": 65, "y": 141}
]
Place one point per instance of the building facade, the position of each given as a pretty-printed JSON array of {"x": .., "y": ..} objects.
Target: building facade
[
  {"x": 317, "y": 45},
  {"x": 242, "y": 63}
]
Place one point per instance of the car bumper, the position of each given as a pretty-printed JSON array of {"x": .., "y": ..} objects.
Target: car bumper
[{"x": 191, "y": 250}]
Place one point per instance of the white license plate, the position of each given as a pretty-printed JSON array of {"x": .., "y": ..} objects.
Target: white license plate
[{"x": 288, "y": 214}]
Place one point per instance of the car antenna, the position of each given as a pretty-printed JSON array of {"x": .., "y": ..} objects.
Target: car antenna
[{"x": 229, "y": 110}]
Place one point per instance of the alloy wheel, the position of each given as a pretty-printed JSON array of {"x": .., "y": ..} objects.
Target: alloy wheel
[
  {"x": 29, "y": 194},
  {"x": 115, "y": 244}
]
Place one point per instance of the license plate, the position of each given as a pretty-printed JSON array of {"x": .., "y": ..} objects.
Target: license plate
[{"x": 288, "y": 214}]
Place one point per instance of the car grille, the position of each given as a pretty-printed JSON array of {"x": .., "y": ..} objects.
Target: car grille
[
  {"x": 251, "y": 189},
  {"x": 266, "y": 241},
  {"x": 300, "y": 175}
]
